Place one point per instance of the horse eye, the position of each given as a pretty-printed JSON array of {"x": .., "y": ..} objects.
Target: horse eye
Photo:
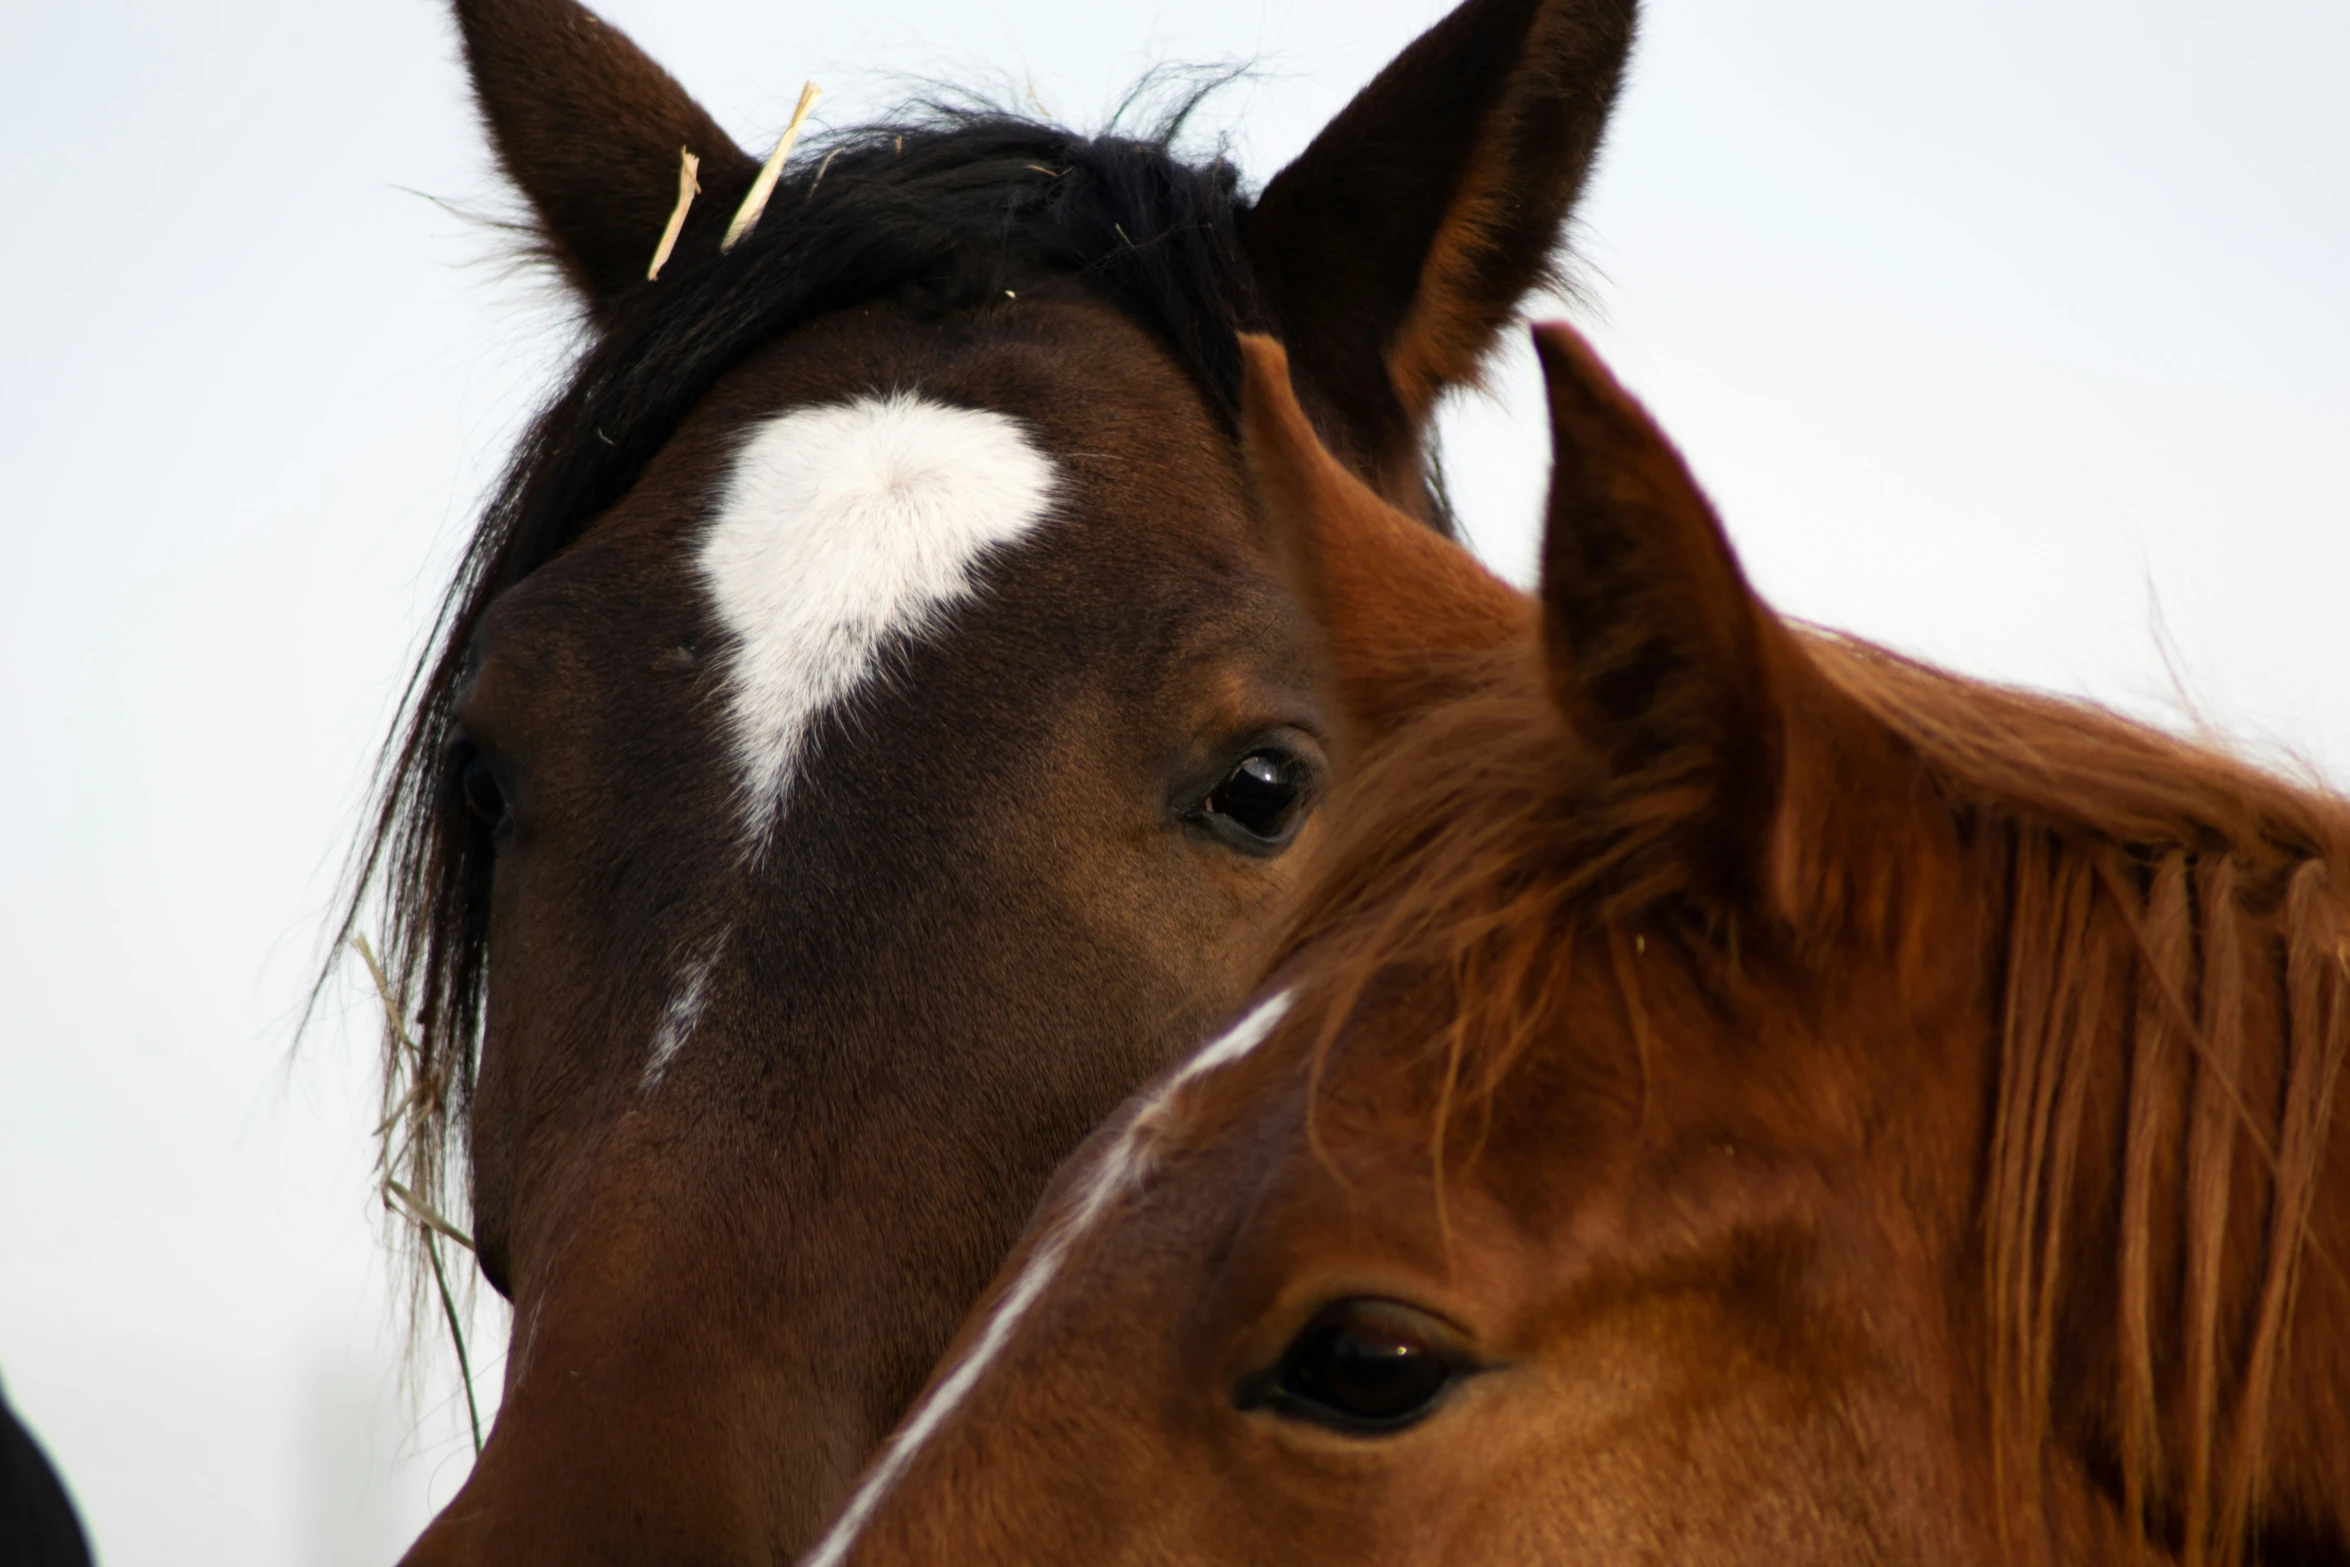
[
  {"x": 1363, "y": 1367},
  {"x": 1260, "y": 804},
  {"x": 484, "y": 796}
]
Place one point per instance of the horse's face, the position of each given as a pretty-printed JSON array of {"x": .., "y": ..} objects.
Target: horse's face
[
  {"x": 1021, "y": 859},
  {"x": 902, "y": 763}
]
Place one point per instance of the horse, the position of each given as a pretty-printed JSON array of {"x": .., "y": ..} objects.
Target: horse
[
  {"x": 38, "y": 1524},
  {"x": 1725, "y": 1092},
  {"x": 867, "y": 735}
]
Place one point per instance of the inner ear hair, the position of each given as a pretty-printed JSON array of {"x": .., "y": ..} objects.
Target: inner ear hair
[
  {"x": 1715, "y": 723},
  {"x": 1657, "y": 647},
  {"x": 1659, "y": 654}
]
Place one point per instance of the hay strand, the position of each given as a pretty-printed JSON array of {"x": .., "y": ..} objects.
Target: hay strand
[
  {"x": 420, "y": 1213},
  {"x": 746, "y": 216},
  {"x": 440, "y": 1280},
  {"x": 689, "y": 185},
  {"x": 820, "y": 172},
  {"x": 395, "y": 1153}
]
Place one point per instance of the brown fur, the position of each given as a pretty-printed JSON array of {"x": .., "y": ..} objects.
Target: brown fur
[
  {"x": 1332, "y": 513},
  {"x": 994, "y": 904},
  {"x": 1858, "y": 1113},
  {"x": 1455, "y": 164}
]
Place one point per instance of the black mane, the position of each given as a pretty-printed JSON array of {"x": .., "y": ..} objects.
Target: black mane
[{"x": 950, "y": 209}]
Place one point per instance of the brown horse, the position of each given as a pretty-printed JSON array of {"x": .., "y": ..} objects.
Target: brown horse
[
  {"x": 868, "y": 734},
  {"x": 1730, "y": 1095}
]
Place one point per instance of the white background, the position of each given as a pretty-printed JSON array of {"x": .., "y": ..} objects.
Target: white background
[{"x": 2005, "y": 332}]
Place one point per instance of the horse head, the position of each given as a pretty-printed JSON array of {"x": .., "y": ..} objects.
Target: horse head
[{"x": 869, "y": 734}]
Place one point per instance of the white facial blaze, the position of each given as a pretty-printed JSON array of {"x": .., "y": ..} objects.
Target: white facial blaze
[
  {"x": 841, "y": 528},
  {"x": 1127, "y": 1161}
]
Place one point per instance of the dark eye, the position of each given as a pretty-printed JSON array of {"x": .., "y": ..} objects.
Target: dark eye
[
  {"x": 1363, "y": 1367},
  {"x": 484, "y": 796},
  {"x": 1260, "y": 804}
]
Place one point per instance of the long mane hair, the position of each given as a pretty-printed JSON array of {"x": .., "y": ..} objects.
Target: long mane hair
[
  {"x": 946, "y": 208},
  {"x": 2174, "y": 960}
]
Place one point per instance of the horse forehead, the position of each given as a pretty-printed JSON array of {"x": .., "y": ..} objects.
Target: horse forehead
[{"x": 839, "y": 529}]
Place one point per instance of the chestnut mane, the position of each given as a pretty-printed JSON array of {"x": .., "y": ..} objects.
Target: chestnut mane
[{"x": 2174, "y": 940}]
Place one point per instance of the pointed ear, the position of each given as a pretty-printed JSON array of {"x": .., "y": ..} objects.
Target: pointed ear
[
  {"x": 1401, "y": 609},
  {"x": 1660, "y": 655},
  {"x": 591, "y": 130},
  {"x": 1400, "y": 243}
]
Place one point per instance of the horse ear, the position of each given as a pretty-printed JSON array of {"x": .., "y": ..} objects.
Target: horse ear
[
  {"x": 591, "y": 130},
  {"x": 1402, "y": 610},
  {"x": 1397, "y": 246},
  {"x": 1660, "y": 656}
]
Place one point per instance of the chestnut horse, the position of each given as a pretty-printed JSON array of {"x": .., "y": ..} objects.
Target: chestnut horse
[
  {"x": 868, "y": 735},
  {"x": 1730, "y": 1094}
]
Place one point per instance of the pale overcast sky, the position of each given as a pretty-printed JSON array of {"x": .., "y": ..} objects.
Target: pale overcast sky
[{"x": 2002, "y": 332}]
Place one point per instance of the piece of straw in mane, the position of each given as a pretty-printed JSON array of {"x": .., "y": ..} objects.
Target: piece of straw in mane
[
  {"x": 2172, "y": 1033},
  {"x": 414, "y": 1101},
  {"x": 746, "y": 216},
  {"x": 688, "y": 187}
]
